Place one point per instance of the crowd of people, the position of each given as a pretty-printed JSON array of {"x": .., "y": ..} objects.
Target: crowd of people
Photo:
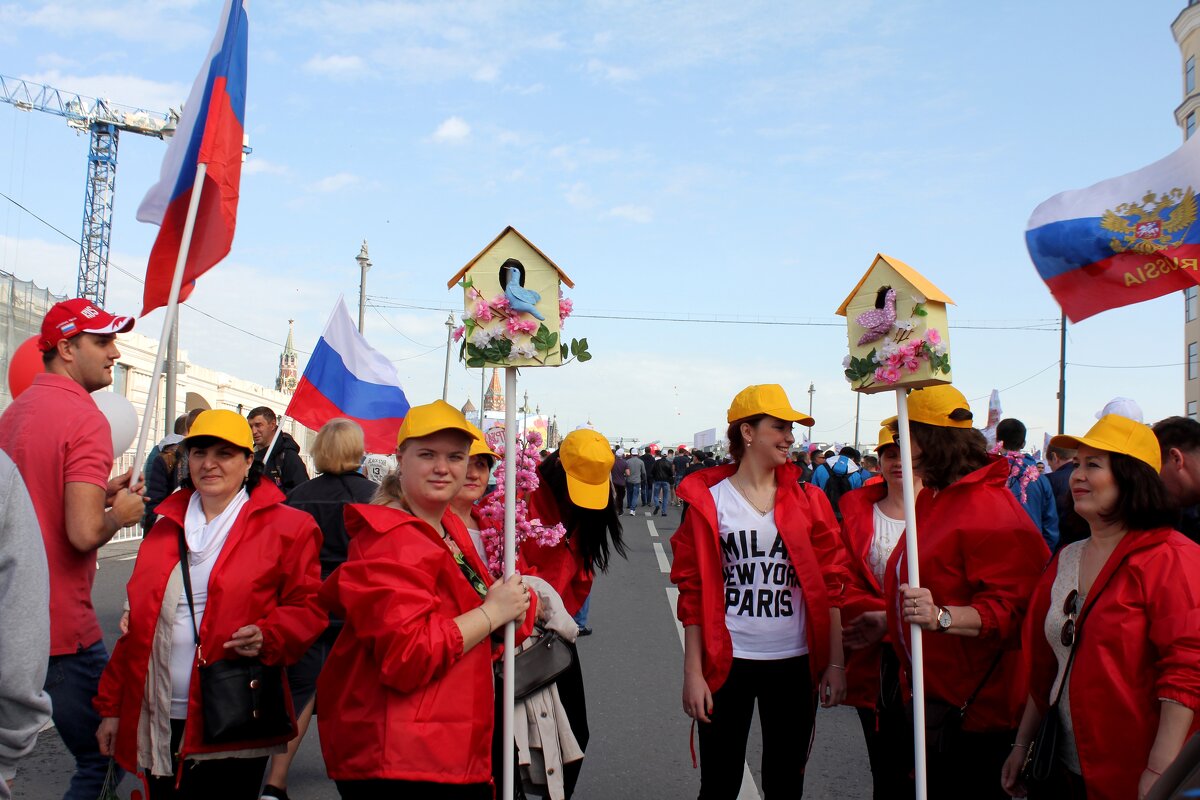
[{"x": 261, "y": 597}]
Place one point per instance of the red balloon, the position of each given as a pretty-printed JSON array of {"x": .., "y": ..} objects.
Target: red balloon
[{"x": 23, "y": 365}]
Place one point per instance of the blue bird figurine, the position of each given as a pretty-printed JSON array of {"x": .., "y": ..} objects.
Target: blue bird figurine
[{"x": 520, "y": 298}]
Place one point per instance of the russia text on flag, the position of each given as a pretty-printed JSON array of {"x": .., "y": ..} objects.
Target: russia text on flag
[
  {"x": 346, "y": 377},
  {"x": 1122, "y": 241},
  {"x": 209, "y": 132}
]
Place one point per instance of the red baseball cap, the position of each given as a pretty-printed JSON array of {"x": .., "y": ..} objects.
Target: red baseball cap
[{"x": 73, "y": 317}]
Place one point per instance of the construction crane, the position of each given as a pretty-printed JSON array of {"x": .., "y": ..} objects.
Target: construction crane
[{"x": 103, "y": 121}]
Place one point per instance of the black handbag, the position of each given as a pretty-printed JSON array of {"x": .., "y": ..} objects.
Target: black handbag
[
  {"x": 1040, "y": 763},
  {"x": 243, "y": 699},
  {"x": 943, "y": 721},
  {"x": 539, "y": 664}
]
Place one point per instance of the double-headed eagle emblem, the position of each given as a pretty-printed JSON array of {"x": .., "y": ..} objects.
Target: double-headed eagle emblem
[{"x": 1153, "y": 225}]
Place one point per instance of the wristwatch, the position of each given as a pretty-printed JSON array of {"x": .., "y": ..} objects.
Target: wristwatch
[{"x": 944, "y": 620}]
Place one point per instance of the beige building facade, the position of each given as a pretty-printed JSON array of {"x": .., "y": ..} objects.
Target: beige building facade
[{"x": 1186, "y": 29}]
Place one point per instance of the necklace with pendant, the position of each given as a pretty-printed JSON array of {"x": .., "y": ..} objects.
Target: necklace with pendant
[{"x": 753, "y": 504}]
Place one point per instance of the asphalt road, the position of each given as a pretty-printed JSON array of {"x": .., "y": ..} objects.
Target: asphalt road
[{"x": 632, "y": 668}]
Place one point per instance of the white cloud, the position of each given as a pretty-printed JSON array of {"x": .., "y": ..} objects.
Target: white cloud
[
  {"x": 639, "y": 214},
  {"x": 123, "y": 90},
  {"x": 337, "y": 182},
  {"x": 132, "y": 20},
  {"x": 609, "y": 72},
  {"x": 579, "y": 196},
  {"x": 487, "y": 73},
  {"x": 336, "y": 66},
  {"x": 453, "y": 130},
  {"x": 261, "y": 166}
]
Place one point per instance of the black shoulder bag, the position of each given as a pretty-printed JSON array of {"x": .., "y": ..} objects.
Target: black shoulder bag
[
  {"x": 943, "y": 720},
  {"x": 243, "y": 700},
  {"x": 1043, "y": 750}
]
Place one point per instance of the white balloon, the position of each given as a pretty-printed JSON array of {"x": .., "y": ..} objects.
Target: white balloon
[{"x": 122, "y": 419}]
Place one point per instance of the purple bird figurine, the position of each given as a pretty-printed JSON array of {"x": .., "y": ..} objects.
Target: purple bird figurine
[{"x": 879, "y": 320}]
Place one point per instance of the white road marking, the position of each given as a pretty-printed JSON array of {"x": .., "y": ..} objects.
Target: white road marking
[
  {"x": 749, "y": 789},
  {"x": 653, "y": 530},
  {"x": 660, "y": 554}
]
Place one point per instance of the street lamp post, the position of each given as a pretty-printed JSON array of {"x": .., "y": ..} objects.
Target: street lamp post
[
  {"x": 812, "y": 389},
  {"x": 364, "y": 261},
  {"x": 449, "y": 338}
]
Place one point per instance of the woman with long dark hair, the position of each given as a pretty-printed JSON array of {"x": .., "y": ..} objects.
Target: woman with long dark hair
[
  {"x": 1113, "y": 635},
  {"x": 872, "y": 527},
  {"x": 760, "y": 574},
  {"x": 980, "y": 559},
  {"x": 249, "y": 591}
]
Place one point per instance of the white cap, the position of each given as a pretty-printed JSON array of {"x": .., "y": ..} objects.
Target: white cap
[
  {"x": 170, "y": 439},
  {"x": 1123, "y": 406}
]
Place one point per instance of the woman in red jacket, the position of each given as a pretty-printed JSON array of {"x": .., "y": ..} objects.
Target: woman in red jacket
[
  {"x": 760, "y": 574},
  {"x": 254, "y": 574},
  {"x": 1126, "y": 599},
  {"x": 872, "y": 525},
  {"x": 980, "y": 559},
  {"x": 406, "y": 694}
]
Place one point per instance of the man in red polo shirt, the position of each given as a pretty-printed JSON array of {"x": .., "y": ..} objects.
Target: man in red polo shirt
[{"x": 62, "y": 446}]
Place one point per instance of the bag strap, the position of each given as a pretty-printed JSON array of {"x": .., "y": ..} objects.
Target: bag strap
[
  {"x": 1087, "y": 608},
  {"x": 187, "y": 588},
  {"x": 995, "y": 663}
]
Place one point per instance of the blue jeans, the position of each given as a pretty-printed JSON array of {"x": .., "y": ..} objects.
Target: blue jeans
[
  {"x": 662, "y": 495},
  {"x": 633, "y": 494},
  {"x": 581, "y": 616},
  {"x": 72, "y": 681}
]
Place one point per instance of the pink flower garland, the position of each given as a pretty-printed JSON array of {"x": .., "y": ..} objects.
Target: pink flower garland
[
  {"x": 1019, "y": 471},
  {"x": 493, "y": 508}
]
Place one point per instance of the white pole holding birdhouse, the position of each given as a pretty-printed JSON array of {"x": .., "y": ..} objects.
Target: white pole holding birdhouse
[
  {"x": 914, "y": 581},
  {"x": 510, "y": 566}
]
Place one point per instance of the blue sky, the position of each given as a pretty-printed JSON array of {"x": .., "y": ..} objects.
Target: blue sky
[{"x": 740, "y": 162}]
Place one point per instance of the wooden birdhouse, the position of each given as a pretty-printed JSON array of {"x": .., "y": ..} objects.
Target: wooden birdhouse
[
  {"x": 897, "y": 329},
  {"x": 513, "y": 307}
]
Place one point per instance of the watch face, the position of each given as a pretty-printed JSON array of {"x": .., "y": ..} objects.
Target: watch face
[{"x": 944, "y": 619}]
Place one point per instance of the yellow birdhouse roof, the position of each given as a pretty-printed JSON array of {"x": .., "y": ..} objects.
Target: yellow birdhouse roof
[
  {"x": 918, "y": 281},
  {"x": 458, "y": 276}
]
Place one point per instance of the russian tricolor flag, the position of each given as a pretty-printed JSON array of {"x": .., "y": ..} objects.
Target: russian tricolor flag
[
  {"x": 1122, "y": 241},
  {"x": 210, "y": 132},
  {"x": 346, "y": 377}
]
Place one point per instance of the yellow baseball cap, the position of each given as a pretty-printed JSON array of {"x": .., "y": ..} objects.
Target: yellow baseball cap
[
  {"x": 228, "y": 426},
  {"x": 1117, "y": 434},
  {"x": 886, "y": 439},
  {"x": 765, "y": 398},
  {"x": 587, "y": 459},
  {"x": 432, "y": 417},
  {"x": 933, "y": 405},
  {"x": 480, "y": 447}
]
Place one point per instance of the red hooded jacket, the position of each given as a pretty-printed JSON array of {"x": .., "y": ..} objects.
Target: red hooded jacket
[
  {"x": 978, "y": 548},
  {"x": 809, "y": 529},
  {"x": 400, "y": 700},
  {"x": 863, "y": 592},
  {"x": 1139, "y": 643},
  {"x": 267, "y": 574}
]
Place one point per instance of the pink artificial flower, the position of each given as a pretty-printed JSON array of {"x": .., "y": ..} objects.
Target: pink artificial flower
[
  {"x": 521, "y": 326},
  {"x": 933, "y": 337},
  {"x": 483, "y": 312},
  {"x": 887, "y": 375},
  {"x": 473, "y": 293},
  {"x": 458, "y": 332},
  {"x": 894, "y": 360},
  {"x": 565, "y": 307},
  {"x": 500, "y": 302}
]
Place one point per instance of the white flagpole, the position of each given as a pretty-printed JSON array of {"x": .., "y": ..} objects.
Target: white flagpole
[
  {"x": 168, "y": 319},
  {"x": 510, "y": 566},
  {"x": 914, "y": 580},
  {"x": 274, "y": 439}
]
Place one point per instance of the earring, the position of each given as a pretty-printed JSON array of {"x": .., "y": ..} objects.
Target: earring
[{"x": 748, "y": 443}]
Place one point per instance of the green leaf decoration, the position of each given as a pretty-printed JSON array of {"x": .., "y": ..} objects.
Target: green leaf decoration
[
  {"x": 584, "y": 356},
  {"x": 474, "y": 362},
  {"x": 919, "y": 310},
  {"x": 562, "y": 353},
  {"x": 551, "y": 341},
  {"x": 504, "y": 347}
]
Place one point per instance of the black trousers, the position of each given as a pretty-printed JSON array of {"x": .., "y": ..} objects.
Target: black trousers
[
  {"x": 786, "y": 708},
  {"x": 224, "y": 778},
  {"x": 971, "y": 767},
  {"x": 412, "y": 790},
  {"x": 889, "y": 736}
]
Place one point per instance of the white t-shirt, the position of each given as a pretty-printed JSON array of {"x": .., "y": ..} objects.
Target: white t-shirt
[
  {"x": 477, "y": 540},
  {"x": 764, "y": 604},
  {"x": 887, "y": 533}
]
